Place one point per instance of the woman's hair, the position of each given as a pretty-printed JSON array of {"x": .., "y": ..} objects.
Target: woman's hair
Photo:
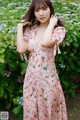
[{"x": 30, "y": 16}]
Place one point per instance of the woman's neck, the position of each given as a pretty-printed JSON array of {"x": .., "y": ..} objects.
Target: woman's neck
[{"x": 44, "y": 25}]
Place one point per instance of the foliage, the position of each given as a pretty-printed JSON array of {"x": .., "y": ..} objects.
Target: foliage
[
  {"x": 68, "y": 63},
  {"x": 12, "y": 69}
]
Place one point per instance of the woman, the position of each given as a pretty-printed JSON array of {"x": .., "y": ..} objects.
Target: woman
[{"x": 41, "y": 32}]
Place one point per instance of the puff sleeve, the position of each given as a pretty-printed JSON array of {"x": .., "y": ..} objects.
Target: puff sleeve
[{"x": 58, "y": 36}]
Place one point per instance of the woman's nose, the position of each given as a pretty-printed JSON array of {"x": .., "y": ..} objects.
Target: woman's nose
[{"x": 41, "y": 12}]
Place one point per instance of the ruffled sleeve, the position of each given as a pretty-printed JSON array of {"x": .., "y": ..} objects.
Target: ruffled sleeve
[{"x": 58, "y": 36}]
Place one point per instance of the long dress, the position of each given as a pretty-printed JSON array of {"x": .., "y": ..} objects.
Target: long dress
[{"x": 43, "y": 97}]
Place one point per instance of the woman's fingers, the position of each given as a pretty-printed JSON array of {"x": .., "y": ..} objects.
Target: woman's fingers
[
  {"x": 24, "y": 22},
  {"x": 23, "y": 56}
]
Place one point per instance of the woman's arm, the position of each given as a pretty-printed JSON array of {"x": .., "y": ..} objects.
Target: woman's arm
[
  {"x": 47, "y": 40},
  {"x": 21, "y": 44}
]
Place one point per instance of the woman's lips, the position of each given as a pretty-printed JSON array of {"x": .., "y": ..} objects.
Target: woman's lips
[{"x": 42, "y": 18}]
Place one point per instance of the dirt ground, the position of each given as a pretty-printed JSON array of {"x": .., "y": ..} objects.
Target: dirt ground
[{"x": 73, "y": 108}]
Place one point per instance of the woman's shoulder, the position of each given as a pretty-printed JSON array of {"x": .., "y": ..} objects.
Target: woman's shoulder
[{"x": 30, "y": 29}]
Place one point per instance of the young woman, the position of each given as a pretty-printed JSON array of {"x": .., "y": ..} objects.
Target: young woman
[{"x": 41, "y": 32}]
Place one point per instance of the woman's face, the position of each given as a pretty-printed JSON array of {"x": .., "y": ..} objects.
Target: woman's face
[{"x": 42, "y": 14}]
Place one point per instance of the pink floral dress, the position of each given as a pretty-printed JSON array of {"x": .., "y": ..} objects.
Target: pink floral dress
[{"x": 43, "y": 97}]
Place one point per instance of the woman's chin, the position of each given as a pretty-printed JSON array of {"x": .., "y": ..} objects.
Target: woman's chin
[{"x": 43, "y": 21}]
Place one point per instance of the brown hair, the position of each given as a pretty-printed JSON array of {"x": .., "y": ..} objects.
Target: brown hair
[{"x": 30, "y": 17}]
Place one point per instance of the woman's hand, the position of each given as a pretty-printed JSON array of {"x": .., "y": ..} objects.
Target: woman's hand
[
  {"x": 23, "y": 23},
  {"x": 53, "y": 20}
]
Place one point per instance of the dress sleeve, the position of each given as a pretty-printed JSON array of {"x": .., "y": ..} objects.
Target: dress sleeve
[
  {"x": 26, "y": 35},
  {"x": 58, "y": 37}
]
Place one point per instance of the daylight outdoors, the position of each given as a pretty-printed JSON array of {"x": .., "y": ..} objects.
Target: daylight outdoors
[{"x": 12, "y": 68}]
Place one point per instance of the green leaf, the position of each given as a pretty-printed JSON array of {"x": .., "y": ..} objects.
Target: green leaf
[
  {"x": 2, "y": 58},
  {"x": 1, "y": 91},
  {"x": 5, "y": 96},
  {"x": 20, "y": 117},
  {"x": 2, "y": 50},
  {"x": 15, "y": 101},
  {"x": 17, "y": 109},
  {"x": 8, "y": 105}
]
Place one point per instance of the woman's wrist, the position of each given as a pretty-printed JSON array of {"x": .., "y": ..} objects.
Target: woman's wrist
[
  {"x": 53, "y": 20},
  {"x": 51, "y": 26},
  {"x": 20, "y": 25}
]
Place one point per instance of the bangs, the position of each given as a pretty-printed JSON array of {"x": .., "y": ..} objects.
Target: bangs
[{"x": 40, "y": 4}]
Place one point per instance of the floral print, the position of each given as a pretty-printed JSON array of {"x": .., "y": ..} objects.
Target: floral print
[{"x": 43, "y": 97}]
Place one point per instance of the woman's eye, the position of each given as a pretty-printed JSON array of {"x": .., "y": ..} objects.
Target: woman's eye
[
  {"x": 36, "y": 10},
  {"x": 44, "y": 8}
]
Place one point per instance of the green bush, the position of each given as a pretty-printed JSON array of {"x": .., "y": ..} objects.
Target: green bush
[
  {"x": 68, "y": 63},
  {"x": 12, "y": 69}
]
